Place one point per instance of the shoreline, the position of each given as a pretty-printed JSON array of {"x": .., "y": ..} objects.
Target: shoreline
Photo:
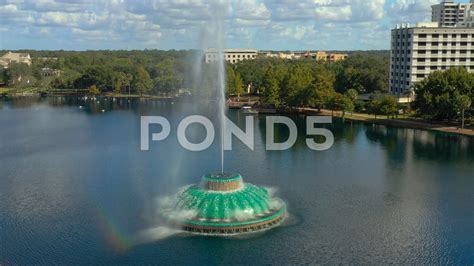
[
  {"x": 401, "y": 123},
  {"x": 360, "y": 117}
]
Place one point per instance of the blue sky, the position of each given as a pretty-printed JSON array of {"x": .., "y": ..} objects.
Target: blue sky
[{"x": 177, "y": 24}]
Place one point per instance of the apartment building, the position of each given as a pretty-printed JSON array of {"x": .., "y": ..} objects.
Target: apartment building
[
  {"x": 231, "y": 55},
  {"x": 420, "y": 50},
  {"x": 449, "y": 14},
  {"x": 8, "y": 58}
]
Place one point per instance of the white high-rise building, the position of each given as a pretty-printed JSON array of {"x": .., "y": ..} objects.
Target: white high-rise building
[
  {"x": 231, "y": 55},
  {"x": 448, "y": 14},
  {"x": 418, "y": 51}
]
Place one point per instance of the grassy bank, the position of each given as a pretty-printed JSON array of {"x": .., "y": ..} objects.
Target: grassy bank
[{"x": 403, "y": 122}]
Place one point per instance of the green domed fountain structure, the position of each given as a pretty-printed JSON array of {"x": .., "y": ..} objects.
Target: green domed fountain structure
[{"x": 223, "y": 204}]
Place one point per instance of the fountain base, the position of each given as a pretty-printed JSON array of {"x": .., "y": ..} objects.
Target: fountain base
[{"x": 224, "y": 204}]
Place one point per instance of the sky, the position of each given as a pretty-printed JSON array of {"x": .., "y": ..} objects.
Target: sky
[{"x": 178, "y": 24}]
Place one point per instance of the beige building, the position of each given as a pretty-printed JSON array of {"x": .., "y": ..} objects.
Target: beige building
[
  {"x": 10, "y": 57},
  {"x": 231, "y": 55},
  {"x": 418, "y": 51},
  {"x": 331, "y": 57}
]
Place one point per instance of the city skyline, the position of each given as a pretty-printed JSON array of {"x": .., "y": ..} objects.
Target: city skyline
[{"x": 306, "y": 25}]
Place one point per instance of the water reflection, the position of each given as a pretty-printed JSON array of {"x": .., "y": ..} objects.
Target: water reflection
[{"x": 74, "y": 187}]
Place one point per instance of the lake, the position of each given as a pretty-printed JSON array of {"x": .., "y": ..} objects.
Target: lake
[{"x": 75, "y": 188}]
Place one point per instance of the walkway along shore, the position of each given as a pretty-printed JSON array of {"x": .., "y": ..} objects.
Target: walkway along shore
[{"x": 394, "y": 122}]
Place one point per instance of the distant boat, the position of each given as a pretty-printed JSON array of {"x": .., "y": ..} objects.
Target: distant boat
[{"x": 248, "y": 110}]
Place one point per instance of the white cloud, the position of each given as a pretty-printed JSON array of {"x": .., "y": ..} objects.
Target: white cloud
[
  {"x": 150, "y": 23},
  {"x": 411, "y": 11}
]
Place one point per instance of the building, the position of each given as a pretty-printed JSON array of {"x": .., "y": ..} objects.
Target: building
[
  {"x": 49, "y": 72},
  {"x": 337, "y": 57},
  {"x": 231, "y": 55},
  {"x": 448, "y": 14},
  {"x": 10, "y": 57},
  {"x": 321, "y": 56},
  {"x": 331, "y": 57},
  {"x": 417, "y": 51},
  {"x": 468, "y": 18}
]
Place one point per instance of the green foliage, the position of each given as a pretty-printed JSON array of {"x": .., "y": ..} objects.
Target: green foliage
[
  {"x": 364, "y": 73},
  {"x": 389, "y": 106},
  {"x": 438, "y": 96},
  {"x": 340, "y": 102},
  {"x": 359, "y": 106},
  {"x": 141, "y": 81},
  {"x": 121, "y": 80},
  {"x": 94, "y": 90},
  {"x": 235, "y": 85},
  {"x": 352, "y": 94},
  {"x": 167, "y": 76},
  {"x": 383, "y": 105}
]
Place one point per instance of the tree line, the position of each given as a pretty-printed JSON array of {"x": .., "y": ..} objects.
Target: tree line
[{"x": 280, "y": 83}]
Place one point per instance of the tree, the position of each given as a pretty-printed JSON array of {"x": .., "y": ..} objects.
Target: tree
[
  {"x": 353, "y": 95},
  {"x": 374, "y": 107},
  {"x": 464, "y": 103},
  {"x": 120, "y": 81},
  {"x": 437, "y": 95},
  {"x": 141, "y": 81},
  {"x": 340, "y": 102},
  {"x": 389, "y": 106},
  {"x": 168, "y": 77},
  {"x": 271, "y": 85},
  {"x": 94, "y": 90},
  {"x": 297, "y": 88},
  {"x": 367, "y": 73},
  {"x": 234, "y": 82}
]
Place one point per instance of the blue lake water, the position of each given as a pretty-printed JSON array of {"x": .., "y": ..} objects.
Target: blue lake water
[{"x": 76, "y": 189}]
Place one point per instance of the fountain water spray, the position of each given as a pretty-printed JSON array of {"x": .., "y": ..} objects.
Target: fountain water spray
[{"x": 222, "y": 204}]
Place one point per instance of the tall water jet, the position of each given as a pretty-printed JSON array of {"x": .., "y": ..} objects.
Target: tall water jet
[
  {"x": 219, "y": 24},
  {"x": 209, "y": 80},
  {"x": 222, "y": 204}
]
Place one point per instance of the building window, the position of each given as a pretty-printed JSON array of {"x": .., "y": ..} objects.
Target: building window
[
  {"x": 420, "y": 68},
  {"x": 433, "y": 68},
  {"x": 420, "y": 76},
  {"x": 435, "y": 36},
  {"x": 421, "y": 60},
  {"x": 454, "y": 36},
  {"x": 463, "y": 35},
  {"x": 434, "y": 59},
  {"x": 422, "y": 36}
]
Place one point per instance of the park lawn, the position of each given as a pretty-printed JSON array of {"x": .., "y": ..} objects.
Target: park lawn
[{"x": 4, "y": 90}]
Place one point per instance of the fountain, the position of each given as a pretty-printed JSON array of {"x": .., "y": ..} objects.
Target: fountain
[{"x": 222, "y": 204}]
